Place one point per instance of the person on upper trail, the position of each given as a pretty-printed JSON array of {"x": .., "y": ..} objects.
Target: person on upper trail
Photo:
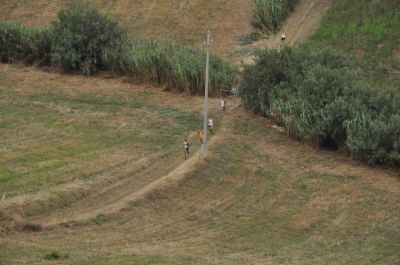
[
  {"x": 283, "y": 36},
  {"x": 210, "y": 124},
  {"x": 234, "y": 91},
  {"x": 186, "y": 147},
  {"x": 222, "y": 104}
]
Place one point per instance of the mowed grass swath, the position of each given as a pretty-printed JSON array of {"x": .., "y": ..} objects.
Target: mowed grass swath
[
  {"x": 100, "y": 43},
  {"x": 69, "y": 136}
]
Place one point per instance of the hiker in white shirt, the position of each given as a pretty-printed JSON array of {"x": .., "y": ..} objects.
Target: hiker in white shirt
[
  {"x": 186, "y": 147},
  {"x": 234, "y": 91},
  {"x": 222, "y": 104},
  {"x": 283, "y": 36},
  {"x": 210, "y": 124}
]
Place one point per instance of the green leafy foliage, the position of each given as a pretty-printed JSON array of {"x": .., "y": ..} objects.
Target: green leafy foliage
[
  {"x": 52, "y": 255},
  {"x": 268, "y": 15},
  {"x": 317, "y": 97},
  {"x": 85, "y": 38}
]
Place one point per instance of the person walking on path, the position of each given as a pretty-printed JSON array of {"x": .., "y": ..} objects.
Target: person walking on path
[
  {"x": 210, "y": 124},
  {"x": 223, "y": 104},
  {"x": 186, "y": 147},
  {"x": 234, "y": 91},
  {"x": 283, "y": 37},
  {"x": 200, "y": 135}
]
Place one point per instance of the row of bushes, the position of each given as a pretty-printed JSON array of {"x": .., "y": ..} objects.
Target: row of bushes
[
  {"x": 269, "y": 15},
  {"x": 317, "y": 97},
  {"x": 82, "y": 39}
]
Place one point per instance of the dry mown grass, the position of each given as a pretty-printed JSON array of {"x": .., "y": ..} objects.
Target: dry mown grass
[
  {"x": 65, "y": 138},
  {"x": 259, "y": 198}
]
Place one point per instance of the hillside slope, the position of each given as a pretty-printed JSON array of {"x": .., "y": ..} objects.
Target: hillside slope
[
  {"x": 106, "y": 155},
  {"x": 184, "y": 21},
  {"x": 368, "y": 32},
  {"x": 299, "y": 27},
  {"x": 259, "y": 198}
]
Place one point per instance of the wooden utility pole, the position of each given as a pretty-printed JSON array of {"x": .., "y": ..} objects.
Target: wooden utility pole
[{"x": 207, "y": 46}]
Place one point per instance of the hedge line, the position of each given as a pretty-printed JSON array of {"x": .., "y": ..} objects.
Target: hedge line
[{"x": 317, "y": 97}]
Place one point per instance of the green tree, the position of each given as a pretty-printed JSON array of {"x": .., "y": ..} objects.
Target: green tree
[{"x": 86, "y": 40}]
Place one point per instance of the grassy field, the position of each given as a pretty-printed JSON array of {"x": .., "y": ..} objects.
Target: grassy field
[
  {"x": 52, "y": 135},
  {"x": 258, "y": 198},
  {"x": 60, "y": 133},
  {"x": 369, "y": 32},
  {"x": 75, "y": 151}
]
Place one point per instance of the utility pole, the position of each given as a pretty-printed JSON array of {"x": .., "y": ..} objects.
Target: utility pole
[{"x": 207, "y": 46}]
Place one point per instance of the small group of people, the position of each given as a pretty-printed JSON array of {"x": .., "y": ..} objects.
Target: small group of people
[
  {"x": 200, "y": 136},
  {"x": 210, "y": 124}
]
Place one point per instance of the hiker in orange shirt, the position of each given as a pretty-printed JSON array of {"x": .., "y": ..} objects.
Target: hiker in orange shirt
[{"x": 200, "y": 135}]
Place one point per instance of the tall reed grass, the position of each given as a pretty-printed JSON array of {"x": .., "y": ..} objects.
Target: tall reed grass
[
  {"x": 269, "y": 15},
  {"x": 178, "y": 67},
  {"x": 318, "y": 97}
]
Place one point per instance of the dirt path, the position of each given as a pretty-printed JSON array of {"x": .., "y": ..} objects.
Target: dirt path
[{"x": 299, "y": 27}]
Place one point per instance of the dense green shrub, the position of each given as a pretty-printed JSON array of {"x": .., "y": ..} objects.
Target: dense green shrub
[
  {"x": 52, "y": 255},
  {"x": 85, "y": 38},
  {"x": 373, "y": 133},
  {"x": 317, "y": 97},
  {"x": 269, "y": 15},
  {"x": 375, "y": 139}
]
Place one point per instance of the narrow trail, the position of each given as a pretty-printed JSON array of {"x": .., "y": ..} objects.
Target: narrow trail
[{"x": 299, "y": 27}]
